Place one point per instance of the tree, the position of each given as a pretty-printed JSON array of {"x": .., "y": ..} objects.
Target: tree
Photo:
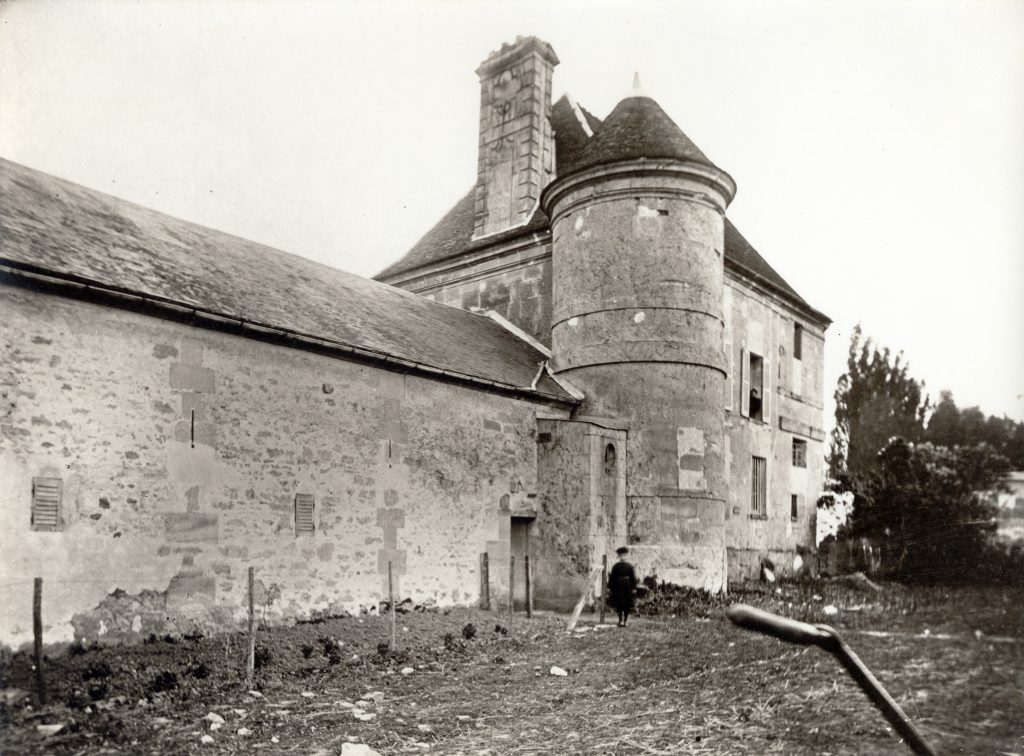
[
  {"x": 926, "y": 506},
  {"x": 951, "y": 426},
  {"x": 876, "y": 400}
]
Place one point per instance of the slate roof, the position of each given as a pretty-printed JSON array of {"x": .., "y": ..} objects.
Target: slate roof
[
  {"x": 65, "y": 230},
  {"x": 637, "y": 128}
]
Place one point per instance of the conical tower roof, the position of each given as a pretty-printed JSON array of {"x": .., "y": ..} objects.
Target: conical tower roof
[{"x": 638, "y": 128}]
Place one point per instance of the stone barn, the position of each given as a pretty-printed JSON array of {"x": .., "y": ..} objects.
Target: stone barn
[{"x": 583, "y": 353}]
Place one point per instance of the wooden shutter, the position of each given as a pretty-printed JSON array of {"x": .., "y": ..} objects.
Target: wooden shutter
[
  {"x": 758, "y": 485},
  {"x": 766, "y": 390},
  {"x": 730, "y": 368},
  {"x": 46, "y": 496},
  {"x": 744, "y": 383},
  {"x": 303, "y": 513}
]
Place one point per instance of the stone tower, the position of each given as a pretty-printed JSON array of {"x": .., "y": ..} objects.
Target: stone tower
[
  {"x": 516, "y": 158},
  {"x": 637, "y": 287}
]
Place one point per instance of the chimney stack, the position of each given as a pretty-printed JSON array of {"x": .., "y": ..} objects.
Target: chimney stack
[{"x": 516, "y": 157}]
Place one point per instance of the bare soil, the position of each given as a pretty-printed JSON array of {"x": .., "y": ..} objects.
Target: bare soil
[{"x": 678, "y": 680}]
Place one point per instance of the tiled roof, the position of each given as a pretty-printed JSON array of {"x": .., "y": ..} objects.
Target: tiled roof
[
  {"x": 453, "y": 235},
  {"x": 65, "y": 230},
  {"x": 740, "y": 252},
  {"x": 450, "y": 236},
  {"x": 637, "y": 128},
  {"x": 570, "y": 138}
]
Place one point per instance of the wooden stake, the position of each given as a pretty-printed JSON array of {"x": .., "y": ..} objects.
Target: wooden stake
[
  {"x": 250, "y": 663},
  {"x": 391, "y": 601},
  {"x": 485, "y": 582},
  {"x": 511, "y": 589},
  {"x": 37, "y": 632},
  {"x": 583, "y": 600},
  {"x": 529, "y": 589},
  {"x": 604, "y": 583}
]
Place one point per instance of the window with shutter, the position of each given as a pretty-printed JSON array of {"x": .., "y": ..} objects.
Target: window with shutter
[
  {"x": 744, "y": 383},
  {"x": 303, "y": 513},
  {"x": 730, "y": 368},
  {"x": 46, "y": 496},
  {"x": 759, "y": 486}
]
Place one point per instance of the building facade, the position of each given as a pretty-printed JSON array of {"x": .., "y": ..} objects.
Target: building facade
[
  {"x": 620, "y": 367},
  {"x": 620, "y": 258}
]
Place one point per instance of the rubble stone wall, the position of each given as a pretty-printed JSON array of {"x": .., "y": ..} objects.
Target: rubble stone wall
[
  {"x": 181, "y": 451},
  {"x": 792, "y": 410}
]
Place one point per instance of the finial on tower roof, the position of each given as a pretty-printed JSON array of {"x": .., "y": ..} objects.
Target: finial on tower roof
[{"x": 638, "y": 89}]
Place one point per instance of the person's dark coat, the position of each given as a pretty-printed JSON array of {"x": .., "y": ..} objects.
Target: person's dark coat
[{"x": 622, "y": 586}]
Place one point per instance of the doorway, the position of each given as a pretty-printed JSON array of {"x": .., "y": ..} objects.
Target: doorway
[{"x": 520, "y": 546}]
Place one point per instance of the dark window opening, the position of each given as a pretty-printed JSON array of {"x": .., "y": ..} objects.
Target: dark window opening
[
  {"x": 799, "y": 452},
  {"x": 756, "y": 387},
  {"x": 798, "y": 341},
  {"x": 759, "y": 486},
  {"x": 609, "y": 459},
  {"x": 793, "y": 506}
]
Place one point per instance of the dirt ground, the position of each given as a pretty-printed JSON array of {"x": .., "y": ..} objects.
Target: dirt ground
[{"x": 470, "y": 682}]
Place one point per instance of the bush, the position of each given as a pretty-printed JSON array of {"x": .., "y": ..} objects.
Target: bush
[
  {"x": 164, "y": 680},
  {"x": 97, "y": 671},
  {"x": 262, "y": 656}
]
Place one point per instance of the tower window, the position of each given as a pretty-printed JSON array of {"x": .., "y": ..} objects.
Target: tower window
[
  {"x": 609, "y": 459},
  {"x": 758, "y": 486},
  {"x": 798, "y": 341},
  {"x": 799, "y": 452},
  {"x": 304, "y": 514}
]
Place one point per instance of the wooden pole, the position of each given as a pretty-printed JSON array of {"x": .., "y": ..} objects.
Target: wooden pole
[
  {"x": 391, "y": 601},
  {"x": 37, "y": 632},
  {"x": 604, "y": 583},
  {"x": 529, "y": 588},
  {"x": 250, "y": 662},
  {"x": 511, "y": 589},
  {"x": 583, "y": 600},
  {"x": 485, "y": 582}
]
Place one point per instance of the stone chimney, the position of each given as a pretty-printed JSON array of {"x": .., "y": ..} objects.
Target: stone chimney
[{"x": 516, "y": 145}]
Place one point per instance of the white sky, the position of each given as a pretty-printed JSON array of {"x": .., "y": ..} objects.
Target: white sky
[{"x": 878, "y": 146}]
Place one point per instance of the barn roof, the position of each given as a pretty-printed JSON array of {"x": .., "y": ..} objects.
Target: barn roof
[{"x": 58, "y": 229}]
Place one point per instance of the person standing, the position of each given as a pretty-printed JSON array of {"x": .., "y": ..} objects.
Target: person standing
[{"x": 622, "y": 586}]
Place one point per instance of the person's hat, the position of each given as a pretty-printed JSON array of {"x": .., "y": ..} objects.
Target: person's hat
[{"x": 621, "y": 550}]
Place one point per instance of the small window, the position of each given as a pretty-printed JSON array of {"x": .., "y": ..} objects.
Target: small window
[
  {"x": 759, "y": 486},
  {"x": 798, "y": 341},
  {"x": 303, "y": 514},
  {"x": 46, "y": 497},
  {"x": 799, "y": 452},
  {"x": 609, "y": 459},
  {"x": 756, "y": 387},
  {"x": 794, "y": 510}
]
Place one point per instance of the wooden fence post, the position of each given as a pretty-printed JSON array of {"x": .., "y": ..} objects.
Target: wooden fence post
[
  {"x": 250, "y": 662},
  {"x": 37, "y": 632},
  {"x": 604, "y": 583},
  {"x": 391, "y": 602},
  {"x": 529, "y": 588},
  {"x": 511, "y": 589},
  {"x": 485, "y": 582}
]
